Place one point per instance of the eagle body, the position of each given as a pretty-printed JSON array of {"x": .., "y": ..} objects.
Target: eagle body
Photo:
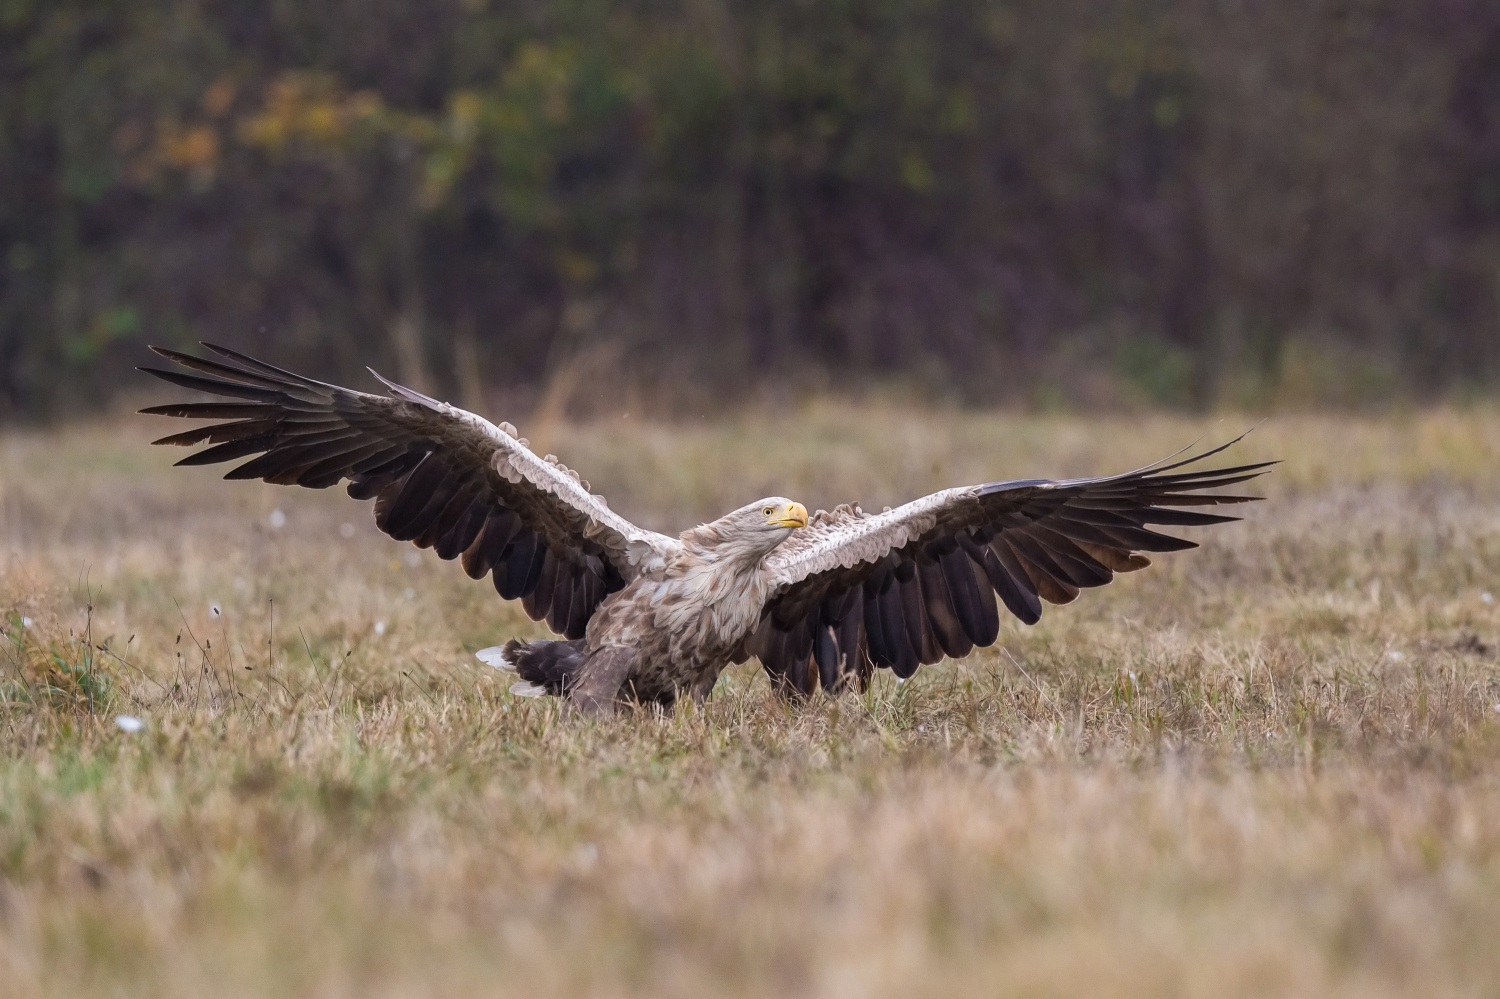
[
  {"x": 684, "y": 621},
  {"x": 821, "y": 600}
]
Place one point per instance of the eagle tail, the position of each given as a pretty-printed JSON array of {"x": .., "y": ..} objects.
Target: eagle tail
[{"x": 544, "y": 667}]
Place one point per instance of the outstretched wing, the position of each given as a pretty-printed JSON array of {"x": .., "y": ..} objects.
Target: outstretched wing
[
  {"x": 853, "y": 591},
  {"x": 441, "y": 478}
]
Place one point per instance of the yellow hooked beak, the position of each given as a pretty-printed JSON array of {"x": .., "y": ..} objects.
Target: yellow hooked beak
[{"x": 791, "y": 515}]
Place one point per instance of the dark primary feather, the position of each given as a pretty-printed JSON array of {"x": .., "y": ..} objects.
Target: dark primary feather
[
  {"x": 430, "y": 477},
  {"x": 1023, "y": 542}
]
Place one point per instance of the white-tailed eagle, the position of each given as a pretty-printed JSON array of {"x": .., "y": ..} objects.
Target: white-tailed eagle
[{"x": 824, "y": 599}]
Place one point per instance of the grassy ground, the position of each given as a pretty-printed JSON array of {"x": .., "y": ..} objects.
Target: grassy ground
[{"x": 1268, "y": 766}]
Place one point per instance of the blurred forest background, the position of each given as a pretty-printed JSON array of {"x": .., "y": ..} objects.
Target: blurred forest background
[{"x": 1187, "y": 203}]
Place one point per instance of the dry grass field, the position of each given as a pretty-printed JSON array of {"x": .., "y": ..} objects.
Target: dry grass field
[{"x": 1267, "y": 767}]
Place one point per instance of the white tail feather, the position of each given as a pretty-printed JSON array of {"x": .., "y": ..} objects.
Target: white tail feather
[
  {"x": 527, "y": 689},
  {"x": 495, "y": 656}
]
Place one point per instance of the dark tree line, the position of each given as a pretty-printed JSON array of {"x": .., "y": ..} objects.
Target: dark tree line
[{"x": 1176, "y": 201}]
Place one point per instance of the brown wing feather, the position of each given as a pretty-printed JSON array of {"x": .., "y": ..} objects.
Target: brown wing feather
[
  {"x": 895, "y": 589},
  {"x": 440, "y": 477}
]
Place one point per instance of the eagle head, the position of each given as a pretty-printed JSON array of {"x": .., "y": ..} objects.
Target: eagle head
[
  {"x": 750, "y": 532},
  {"x": 757, "y": 528},
  {"x": 776, "y": 514}
]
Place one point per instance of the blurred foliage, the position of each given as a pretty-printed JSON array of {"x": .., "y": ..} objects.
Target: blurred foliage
[{"x": 1148, "y": 201}]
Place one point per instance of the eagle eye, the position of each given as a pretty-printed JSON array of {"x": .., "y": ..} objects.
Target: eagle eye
[{"x": 768, "y": 511}]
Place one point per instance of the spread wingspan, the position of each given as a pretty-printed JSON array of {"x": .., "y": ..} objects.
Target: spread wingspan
[
  {"x": 441, "y": 477},
  {"x": 910, "y": 586}
]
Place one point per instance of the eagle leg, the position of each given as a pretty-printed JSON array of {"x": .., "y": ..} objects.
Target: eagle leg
[
  {"x": 704, "y": 685},
  {"x": 599, "y": 683}
]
